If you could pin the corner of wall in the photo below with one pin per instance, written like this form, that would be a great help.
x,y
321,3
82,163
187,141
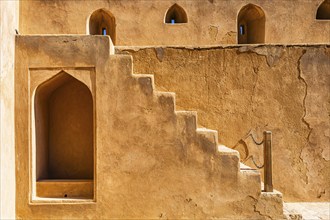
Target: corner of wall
x,y
9,13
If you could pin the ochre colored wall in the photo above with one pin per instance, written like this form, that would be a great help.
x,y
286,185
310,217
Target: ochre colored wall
x,y
8,24
210,22
150,161
284,89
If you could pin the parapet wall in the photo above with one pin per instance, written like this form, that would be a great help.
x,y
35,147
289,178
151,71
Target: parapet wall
x,y
209,22
235,90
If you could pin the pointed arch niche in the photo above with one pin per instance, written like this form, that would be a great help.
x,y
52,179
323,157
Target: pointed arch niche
x,y
102,22
64,138
323,11
251,25
176,15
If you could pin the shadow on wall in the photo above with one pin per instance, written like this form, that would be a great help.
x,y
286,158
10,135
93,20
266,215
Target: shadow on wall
x,y
323,11
251,25
64,129
102,22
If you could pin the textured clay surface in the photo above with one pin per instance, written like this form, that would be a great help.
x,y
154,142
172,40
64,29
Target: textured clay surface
x,y
241,90
150,161
141,22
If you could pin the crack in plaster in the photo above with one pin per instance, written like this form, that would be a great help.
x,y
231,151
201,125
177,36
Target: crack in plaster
x,y
256,210
122,49
229,37
304,114
208,87
255,71
272,54
303,80
305,95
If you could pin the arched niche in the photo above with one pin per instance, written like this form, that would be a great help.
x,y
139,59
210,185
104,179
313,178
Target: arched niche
x,y
323,11
251,25
176,14
63,116
102,22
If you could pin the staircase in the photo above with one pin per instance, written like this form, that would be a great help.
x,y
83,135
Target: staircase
x,y
150,161
242,183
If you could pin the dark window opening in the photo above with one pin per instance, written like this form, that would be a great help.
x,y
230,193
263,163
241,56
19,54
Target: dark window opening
x,y
175,15
104,31
323,11
241,30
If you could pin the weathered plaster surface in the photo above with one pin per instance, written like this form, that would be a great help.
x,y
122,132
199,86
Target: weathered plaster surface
x,y
8,24
141,22
314,69
240,90
151,161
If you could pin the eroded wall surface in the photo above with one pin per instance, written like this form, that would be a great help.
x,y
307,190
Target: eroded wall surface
x,y
237,90
150,161
8,24
210,22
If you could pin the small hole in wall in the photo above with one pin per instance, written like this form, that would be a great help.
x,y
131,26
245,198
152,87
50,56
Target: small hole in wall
x,y
104,31
65,195
241,30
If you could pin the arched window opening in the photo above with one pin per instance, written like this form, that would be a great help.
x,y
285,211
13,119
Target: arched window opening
x,y
176,14
323,11
103,22
64,137
251,25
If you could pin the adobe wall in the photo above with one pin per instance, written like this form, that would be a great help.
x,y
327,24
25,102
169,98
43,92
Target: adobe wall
x,y
150,162
284,89
210,22
8,24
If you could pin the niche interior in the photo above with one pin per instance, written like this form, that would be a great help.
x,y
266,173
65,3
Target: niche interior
x,y
64,138
251,25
